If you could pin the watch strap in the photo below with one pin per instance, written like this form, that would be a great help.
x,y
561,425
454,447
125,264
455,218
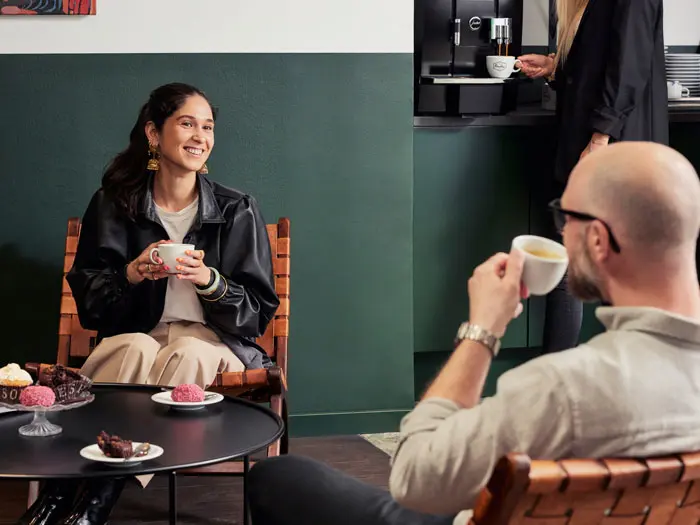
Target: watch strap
x,y
478,334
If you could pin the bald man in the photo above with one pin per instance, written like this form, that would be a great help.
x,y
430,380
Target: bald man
x,y
630,218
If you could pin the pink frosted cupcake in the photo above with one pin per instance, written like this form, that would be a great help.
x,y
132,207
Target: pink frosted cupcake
x,y
187,393
41,396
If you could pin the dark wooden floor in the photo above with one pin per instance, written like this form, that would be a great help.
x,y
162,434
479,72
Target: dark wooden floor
x,y
204,500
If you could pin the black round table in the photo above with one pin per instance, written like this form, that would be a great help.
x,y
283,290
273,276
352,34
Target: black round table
x,y
231,429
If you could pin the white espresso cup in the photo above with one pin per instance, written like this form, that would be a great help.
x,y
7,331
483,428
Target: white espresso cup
x,y
501,66
169,253
546,262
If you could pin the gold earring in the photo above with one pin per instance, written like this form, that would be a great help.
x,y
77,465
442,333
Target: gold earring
x,y
153,161
204,170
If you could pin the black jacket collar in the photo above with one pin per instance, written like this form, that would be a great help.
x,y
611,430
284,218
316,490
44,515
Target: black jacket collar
x,y
209,211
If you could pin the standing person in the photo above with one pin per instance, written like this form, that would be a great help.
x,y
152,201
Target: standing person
x,y
610,81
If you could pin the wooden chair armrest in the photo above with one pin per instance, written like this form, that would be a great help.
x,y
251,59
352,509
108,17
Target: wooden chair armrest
x,y
271,378
32,368
509,481
225,382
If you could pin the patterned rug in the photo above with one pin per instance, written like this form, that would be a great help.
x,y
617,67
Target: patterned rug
x,y
386,442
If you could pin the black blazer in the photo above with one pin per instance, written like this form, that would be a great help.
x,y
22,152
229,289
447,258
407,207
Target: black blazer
x,y
229,228
614,79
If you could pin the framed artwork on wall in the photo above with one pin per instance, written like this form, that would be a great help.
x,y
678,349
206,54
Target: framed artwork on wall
x,y
47,7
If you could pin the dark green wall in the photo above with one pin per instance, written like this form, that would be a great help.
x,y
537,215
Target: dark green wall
x,y
323,139
475,189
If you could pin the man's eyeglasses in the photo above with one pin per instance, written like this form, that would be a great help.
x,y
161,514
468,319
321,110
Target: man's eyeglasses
x,y
560,215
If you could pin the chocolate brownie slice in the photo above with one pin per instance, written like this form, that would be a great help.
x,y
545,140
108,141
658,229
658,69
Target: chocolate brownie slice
x,y
114,446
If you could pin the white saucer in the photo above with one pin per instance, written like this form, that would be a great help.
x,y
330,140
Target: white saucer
x,y
93,453
164,399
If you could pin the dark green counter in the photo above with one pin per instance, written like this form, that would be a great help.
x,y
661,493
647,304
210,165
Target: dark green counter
x,y
534,115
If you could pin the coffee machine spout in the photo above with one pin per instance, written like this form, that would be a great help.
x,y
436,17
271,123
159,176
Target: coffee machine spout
x,y
502,30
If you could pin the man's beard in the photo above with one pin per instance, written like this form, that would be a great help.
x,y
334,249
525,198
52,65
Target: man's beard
x,y
582,279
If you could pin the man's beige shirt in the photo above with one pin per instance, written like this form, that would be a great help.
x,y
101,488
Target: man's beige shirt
x,y
633,390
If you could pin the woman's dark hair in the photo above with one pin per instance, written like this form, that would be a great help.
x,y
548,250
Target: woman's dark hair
x,y
126,178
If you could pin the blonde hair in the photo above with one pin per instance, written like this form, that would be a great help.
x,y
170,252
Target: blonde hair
x,y
569,14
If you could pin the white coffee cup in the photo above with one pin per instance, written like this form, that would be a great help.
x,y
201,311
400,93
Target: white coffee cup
x,y
501,67
169,253
676,90
541,273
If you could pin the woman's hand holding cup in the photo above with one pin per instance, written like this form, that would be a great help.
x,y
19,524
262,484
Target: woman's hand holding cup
x,y
536,66
143,268
192,268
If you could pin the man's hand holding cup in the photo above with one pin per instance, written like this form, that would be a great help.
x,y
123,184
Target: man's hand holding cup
x,y
495,292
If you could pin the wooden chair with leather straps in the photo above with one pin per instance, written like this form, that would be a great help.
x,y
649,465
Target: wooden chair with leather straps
x,y
264,385
653,491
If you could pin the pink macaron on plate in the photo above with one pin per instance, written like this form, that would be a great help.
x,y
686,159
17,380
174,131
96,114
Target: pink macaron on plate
x,y
164,398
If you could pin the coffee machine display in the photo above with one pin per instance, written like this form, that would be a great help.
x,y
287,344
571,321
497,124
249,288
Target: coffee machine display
x,y
465,56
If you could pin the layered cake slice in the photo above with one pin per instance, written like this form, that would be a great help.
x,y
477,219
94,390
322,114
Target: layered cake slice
x,y
116,447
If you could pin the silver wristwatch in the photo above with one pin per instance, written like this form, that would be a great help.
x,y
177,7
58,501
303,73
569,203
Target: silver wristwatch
x,y
480,335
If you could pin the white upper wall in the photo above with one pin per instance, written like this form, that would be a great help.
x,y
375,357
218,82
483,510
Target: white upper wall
x,y
681,22
265,26
218,26
535,22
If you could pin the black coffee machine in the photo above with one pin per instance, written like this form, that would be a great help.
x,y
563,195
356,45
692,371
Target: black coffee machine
x,y
452,40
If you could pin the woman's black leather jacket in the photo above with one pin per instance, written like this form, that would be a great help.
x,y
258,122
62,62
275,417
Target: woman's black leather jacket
x,y
229,228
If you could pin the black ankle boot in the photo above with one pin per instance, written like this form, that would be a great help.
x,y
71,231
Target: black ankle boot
x,y
54,503
96,502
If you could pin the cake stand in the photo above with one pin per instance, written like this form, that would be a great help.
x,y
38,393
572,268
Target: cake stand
x,y
40,426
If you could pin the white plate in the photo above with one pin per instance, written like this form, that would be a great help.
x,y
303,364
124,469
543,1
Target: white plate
x,y
164,399
93,453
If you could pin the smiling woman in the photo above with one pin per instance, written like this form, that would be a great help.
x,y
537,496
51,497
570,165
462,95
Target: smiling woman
x,y
162,323
185,320
47,7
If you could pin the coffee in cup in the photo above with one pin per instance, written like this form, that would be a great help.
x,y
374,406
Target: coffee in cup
x,y
169,253
502,66
546,262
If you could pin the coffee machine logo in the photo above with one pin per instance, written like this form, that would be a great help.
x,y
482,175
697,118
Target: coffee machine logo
x,y
475,23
